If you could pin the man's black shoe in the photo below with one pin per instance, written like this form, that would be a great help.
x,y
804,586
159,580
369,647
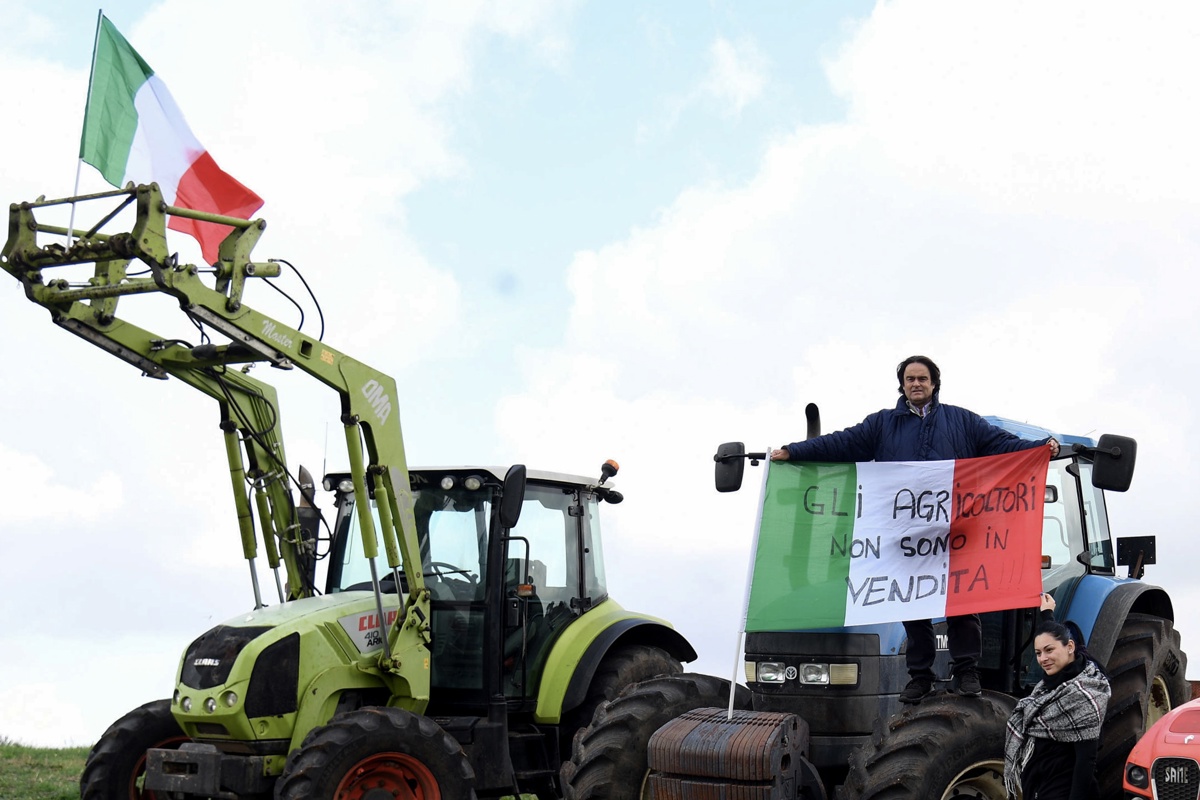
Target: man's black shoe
x,y
968,683
917,689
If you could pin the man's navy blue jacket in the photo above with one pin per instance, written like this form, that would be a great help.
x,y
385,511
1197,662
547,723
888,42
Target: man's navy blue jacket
x,y
897,434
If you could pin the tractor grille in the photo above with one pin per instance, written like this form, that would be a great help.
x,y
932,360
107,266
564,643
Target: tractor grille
x,y
1176,779
209,659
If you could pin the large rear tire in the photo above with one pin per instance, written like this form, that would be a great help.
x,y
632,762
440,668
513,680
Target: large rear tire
x,y
116,764
609,759
621,667
946,747
1147,671
377,752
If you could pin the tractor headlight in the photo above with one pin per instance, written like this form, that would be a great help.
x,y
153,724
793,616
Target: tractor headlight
x,y
210,705
814,674
447,483
771,672
186,705
472,483
1137,776
229,699
811,674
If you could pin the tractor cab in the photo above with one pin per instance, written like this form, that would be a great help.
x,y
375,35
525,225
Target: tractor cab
x,y
1076,539
508,563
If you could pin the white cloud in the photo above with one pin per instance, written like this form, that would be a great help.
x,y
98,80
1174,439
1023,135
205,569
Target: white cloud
x,y
37,713
542,25
42,707
737,73
1011,195
43,497
28,26
1083,108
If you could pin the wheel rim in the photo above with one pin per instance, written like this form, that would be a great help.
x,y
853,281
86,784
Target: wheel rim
x,y
137,776
1160,702
387,776
983,780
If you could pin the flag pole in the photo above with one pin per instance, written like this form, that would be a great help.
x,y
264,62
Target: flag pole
x,y
741,635
83,133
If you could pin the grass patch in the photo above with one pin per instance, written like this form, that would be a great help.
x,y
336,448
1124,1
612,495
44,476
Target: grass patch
x,y
35,773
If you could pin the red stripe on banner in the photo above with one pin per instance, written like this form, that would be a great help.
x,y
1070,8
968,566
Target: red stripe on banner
x,y
206,187
996,532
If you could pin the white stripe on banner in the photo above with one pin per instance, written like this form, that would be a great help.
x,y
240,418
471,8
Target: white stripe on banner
x,y
900,550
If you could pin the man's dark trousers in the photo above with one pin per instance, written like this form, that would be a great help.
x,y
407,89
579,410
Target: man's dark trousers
x,y
966,644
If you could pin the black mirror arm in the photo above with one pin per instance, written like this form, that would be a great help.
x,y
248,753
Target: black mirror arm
x,y
1114,451
754,458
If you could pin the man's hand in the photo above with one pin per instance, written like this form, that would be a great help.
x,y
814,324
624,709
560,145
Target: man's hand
x,y
1053,448
780,455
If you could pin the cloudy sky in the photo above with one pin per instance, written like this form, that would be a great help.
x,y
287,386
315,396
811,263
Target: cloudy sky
x,y
577,231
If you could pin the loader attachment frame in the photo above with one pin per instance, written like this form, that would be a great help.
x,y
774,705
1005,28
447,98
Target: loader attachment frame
x,y
248,406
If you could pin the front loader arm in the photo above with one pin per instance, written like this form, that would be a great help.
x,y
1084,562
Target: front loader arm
x,y
249,409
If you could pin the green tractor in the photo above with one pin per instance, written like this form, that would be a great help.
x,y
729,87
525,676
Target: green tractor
x,y
459,664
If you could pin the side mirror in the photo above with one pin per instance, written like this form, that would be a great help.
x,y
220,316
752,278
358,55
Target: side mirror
x,y
1136,552
513,498
309,517
1115,457
731,465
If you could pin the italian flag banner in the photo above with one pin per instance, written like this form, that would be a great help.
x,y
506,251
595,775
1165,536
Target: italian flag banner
x,y
133,131
855,544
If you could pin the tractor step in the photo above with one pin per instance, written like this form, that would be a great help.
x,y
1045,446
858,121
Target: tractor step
x,y
706,754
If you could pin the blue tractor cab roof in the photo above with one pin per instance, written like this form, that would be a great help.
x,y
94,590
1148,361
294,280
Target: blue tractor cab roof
x,y
1034,432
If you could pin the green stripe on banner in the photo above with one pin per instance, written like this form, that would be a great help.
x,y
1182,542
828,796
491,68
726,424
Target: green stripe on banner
x,y
804,547
859,544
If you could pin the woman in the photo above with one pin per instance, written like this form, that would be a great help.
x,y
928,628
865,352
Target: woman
x,y
1051,739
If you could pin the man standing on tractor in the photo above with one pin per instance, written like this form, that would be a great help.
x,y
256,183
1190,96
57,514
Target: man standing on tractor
x,y
921,428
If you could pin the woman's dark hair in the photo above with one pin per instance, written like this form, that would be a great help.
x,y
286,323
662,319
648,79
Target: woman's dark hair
x,y
935,374
1068,632
1059,631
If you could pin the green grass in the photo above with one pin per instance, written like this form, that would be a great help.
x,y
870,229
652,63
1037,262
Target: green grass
x,y
35,773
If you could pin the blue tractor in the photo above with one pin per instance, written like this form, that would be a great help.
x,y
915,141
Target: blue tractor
x,y
825,702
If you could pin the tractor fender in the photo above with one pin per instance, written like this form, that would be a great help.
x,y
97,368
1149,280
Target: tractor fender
x,y
1100,605
577,653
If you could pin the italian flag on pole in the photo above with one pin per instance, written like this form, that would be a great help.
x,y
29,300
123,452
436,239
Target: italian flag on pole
x,y
854,544
133,131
